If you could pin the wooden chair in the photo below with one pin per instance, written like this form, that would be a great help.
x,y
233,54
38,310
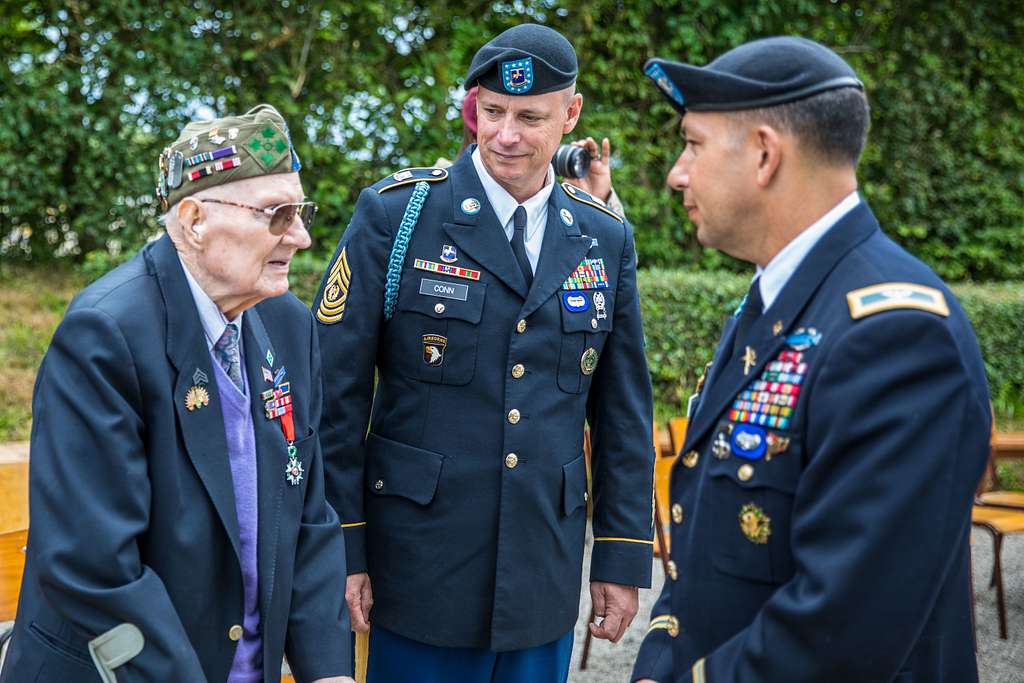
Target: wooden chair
x,y
1000,522
13,537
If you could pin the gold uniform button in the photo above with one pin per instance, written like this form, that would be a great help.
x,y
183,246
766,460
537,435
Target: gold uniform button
x,y
521,326
235,632
677,513
673,627
745,472
518,370
379,485
513,416
439,309
673,570
511,460
690,459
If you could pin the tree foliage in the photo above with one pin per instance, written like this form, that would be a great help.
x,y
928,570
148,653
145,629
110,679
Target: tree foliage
x,y
92,91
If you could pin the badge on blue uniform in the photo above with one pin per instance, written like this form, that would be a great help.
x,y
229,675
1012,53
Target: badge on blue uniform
x,y
470,206
749,441
517,75
575,302
803,339
449,254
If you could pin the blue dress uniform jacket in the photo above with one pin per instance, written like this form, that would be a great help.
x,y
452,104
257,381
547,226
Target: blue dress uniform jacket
x,y
836,547
466,500
132,508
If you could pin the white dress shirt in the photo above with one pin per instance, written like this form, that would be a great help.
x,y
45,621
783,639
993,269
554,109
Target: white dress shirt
x,y
210,315
505,205
776,274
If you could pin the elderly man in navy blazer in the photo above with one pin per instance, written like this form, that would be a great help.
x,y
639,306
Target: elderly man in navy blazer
x,y
821,505
179,529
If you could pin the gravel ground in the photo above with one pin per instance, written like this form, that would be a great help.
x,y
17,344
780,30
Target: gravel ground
x,y
999,661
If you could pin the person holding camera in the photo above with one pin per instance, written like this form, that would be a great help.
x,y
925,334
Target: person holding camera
x,y
472,321
591,171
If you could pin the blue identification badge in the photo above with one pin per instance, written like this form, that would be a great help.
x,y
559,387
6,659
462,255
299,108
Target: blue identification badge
x,y
749,441
575,302
803,339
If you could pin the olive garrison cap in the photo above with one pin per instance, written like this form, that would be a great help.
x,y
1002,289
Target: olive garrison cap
x,y
761,73
528,59
211,153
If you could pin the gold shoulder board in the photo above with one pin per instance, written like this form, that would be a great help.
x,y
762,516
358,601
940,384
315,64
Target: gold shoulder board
x,y
584,198
413,175
892,295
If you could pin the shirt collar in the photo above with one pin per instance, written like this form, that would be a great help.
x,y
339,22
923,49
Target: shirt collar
x,y
210,315
505,204
776,274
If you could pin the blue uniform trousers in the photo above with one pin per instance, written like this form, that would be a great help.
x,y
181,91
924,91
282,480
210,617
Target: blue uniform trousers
x,y
395,659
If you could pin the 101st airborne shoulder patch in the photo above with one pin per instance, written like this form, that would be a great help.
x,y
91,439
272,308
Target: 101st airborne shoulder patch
x,y
894,295
332,305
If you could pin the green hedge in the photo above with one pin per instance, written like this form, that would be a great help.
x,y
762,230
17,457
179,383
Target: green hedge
x,y
684,312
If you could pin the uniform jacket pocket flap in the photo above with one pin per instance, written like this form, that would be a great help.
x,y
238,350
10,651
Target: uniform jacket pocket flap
x,y
781,473
574,485
395,469
442,297
587,310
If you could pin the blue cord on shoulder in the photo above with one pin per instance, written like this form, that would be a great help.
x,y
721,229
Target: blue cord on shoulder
x,y
394,276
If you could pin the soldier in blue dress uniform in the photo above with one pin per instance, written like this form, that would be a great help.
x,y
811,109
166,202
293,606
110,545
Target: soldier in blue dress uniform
x,y
821,503
498,312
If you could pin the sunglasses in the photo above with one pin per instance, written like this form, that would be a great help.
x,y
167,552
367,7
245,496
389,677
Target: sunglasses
x,y
281,215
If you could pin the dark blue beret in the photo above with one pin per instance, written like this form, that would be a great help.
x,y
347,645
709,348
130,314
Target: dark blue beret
x,y
761,73
528,59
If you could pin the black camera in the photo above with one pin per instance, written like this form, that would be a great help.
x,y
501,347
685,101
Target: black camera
x,y
571,161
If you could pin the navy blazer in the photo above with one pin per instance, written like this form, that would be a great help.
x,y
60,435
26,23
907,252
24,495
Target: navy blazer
x,y
131,503
832,546
466,500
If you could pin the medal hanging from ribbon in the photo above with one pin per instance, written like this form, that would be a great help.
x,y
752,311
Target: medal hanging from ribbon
x,y
277,402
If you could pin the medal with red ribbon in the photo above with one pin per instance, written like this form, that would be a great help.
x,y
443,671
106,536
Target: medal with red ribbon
x,y
277,402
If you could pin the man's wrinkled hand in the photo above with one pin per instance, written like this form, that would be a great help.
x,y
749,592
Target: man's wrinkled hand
x,y
615,606
359,597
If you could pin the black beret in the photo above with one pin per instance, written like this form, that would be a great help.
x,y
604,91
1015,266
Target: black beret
x,y
528,59
761,73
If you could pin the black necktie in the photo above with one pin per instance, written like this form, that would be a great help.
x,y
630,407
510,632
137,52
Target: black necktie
x,y
519,244
749,314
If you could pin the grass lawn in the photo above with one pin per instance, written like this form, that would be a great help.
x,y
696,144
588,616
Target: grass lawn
x,y
32,302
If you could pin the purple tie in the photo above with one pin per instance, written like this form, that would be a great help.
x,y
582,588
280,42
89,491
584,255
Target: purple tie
x,y
226,349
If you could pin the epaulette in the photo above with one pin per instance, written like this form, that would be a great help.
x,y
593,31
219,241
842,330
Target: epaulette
x,y
413,175
584,198
892,295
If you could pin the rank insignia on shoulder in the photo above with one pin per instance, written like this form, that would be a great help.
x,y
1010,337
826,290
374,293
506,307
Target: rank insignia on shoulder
x,y
335,297
755,524
412,175
895,295
584,198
